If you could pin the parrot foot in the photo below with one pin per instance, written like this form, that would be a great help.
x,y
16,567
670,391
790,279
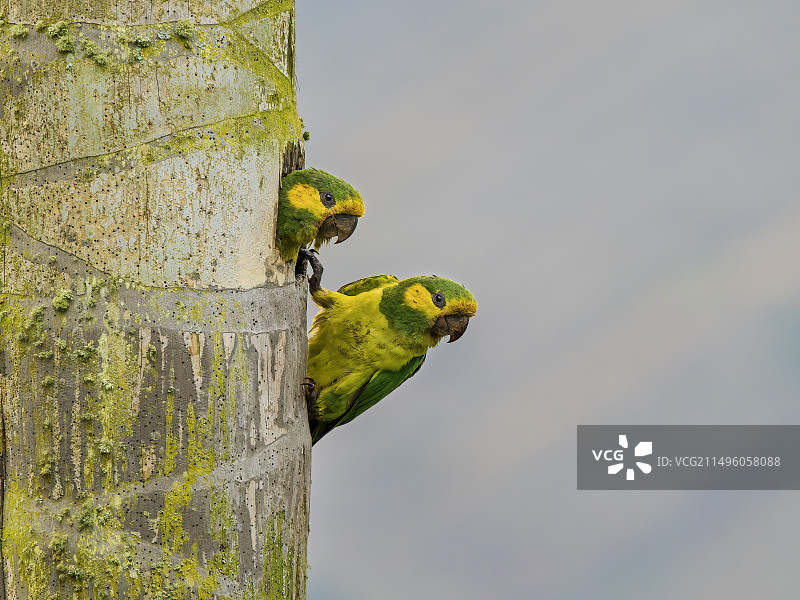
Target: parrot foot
x,y
309,255
302,261
309,389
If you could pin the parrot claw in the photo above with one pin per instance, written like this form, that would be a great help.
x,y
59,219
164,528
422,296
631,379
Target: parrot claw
x,y
308,255
301,261
309,389
315,281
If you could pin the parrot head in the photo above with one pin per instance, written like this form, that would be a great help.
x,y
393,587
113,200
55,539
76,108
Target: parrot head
x,y
425,309
314,206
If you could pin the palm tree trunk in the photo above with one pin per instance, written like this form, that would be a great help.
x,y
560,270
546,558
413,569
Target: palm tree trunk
x,y
155,442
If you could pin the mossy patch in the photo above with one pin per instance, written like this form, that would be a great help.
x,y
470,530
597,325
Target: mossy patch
x,y
18,31
62,35
58,543
279,566
62,300
86,352
52,547
93,51
58,29
65,43
184,29
28,329
143,41
136,55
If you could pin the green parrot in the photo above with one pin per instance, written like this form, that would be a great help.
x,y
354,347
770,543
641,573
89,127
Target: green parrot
x,y
372,335
314,206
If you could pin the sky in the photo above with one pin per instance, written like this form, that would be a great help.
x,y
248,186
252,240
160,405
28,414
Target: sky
x,y
617,183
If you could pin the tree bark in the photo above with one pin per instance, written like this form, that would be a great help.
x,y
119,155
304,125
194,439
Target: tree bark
x,y
155,441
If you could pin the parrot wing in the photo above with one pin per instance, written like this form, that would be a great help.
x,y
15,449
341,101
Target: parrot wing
x,y
367,284
378,387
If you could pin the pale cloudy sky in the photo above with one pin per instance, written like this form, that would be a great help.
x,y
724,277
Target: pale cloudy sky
x,y
617,183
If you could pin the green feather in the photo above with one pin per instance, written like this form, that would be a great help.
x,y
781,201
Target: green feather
x,y
380,386
367,284
320,180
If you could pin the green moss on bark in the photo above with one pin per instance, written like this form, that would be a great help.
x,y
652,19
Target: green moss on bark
x,y
75,364
62,300
18,31
184,29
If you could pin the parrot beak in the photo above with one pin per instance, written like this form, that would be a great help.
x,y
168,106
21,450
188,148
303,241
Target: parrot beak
x,y
345,226
341,226
455,325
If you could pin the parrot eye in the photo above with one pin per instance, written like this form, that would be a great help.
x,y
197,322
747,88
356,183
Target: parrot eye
x,y
438,299
327,199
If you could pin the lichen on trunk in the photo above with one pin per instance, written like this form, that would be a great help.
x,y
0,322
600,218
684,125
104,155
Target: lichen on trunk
x,y
155,443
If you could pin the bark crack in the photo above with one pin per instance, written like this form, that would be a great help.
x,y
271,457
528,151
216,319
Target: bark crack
x,y
155,140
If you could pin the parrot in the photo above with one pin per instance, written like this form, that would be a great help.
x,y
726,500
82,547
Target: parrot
x,y
370,336
314,206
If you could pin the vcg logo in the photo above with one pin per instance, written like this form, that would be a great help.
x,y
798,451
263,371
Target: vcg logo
x,y
617,457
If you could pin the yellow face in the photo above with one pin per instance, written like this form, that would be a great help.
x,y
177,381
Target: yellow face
x,y
419,298
306,197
